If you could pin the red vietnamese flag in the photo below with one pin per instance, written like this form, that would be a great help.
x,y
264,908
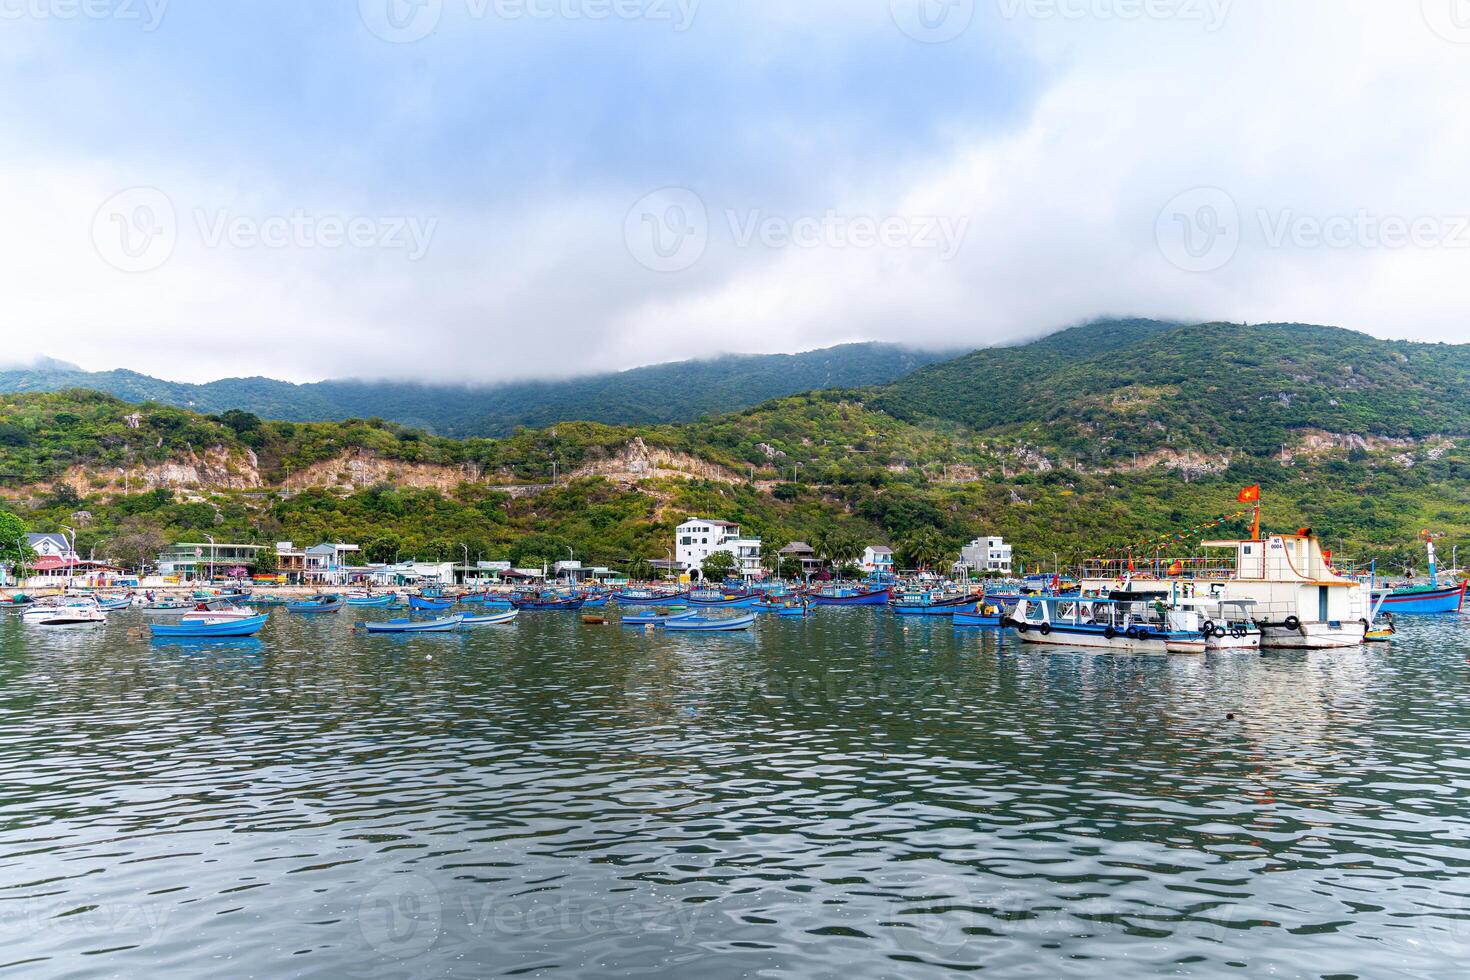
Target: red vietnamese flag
x,y
1251,495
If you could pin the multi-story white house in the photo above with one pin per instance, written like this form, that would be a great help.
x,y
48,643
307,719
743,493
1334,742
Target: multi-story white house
x,y
987,555
52,546
698,538
878,560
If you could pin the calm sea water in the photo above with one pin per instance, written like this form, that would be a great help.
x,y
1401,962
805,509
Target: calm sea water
x,y
844,796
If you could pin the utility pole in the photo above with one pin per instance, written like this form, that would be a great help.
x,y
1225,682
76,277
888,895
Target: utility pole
x,y
211,556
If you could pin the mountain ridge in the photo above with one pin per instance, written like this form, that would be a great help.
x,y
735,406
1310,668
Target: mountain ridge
x,y
673,392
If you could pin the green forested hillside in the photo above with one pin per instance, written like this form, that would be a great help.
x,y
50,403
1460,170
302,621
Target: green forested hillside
x,y
1214,387
1033,442
677,392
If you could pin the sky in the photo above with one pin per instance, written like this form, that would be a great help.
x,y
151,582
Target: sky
x,y
484,190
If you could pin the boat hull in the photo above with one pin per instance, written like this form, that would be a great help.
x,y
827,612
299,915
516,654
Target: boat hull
x,y
495,619
1097,638
978,621
409,626
1314,636
420,604
1433,602
698,624
211,630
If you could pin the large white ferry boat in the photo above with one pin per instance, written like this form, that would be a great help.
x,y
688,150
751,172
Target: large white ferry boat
x,y
1297,598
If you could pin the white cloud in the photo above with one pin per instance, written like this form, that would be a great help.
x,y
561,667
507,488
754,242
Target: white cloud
x,y
1306,111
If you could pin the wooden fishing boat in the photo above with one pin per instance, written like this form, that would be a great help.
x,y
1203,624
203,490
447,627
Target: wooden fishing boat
x,y
704,624
495,619
655,618
1126,622
709,599
373,601
930,602
114,604
650,597
798,611
847,596
1422,600
209,630
549,604
447,625
420,603
317,605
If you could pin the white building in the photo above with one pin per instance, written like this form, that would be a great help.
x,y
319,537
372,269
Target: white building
x,y
878,560
698,538
987,555
52,546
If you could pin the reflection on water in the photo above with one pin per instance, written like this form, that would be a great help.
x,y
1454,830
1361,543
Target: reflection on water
x,y
847,794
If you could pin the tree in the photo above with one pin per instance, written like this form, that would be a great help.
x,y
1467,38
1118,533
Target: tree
x,y
924,549
717,566
640,569
15,552
383,549
136,544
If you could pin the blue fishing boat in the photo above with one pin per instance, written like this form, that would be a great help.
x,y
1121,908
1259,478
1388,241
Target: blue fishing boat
x,y
115,605
317,605
448,625
549,603
422,604
842,595
474,598
1422,600
498,602
271,601
711,599
209,629
989,613
793,612
655,618
596,602
704,624
373,601
495,619
650,597
932,603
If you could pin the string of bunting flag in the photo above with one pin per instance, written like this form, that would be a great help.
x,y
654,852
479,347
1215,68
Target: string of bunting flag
x,y
1153,544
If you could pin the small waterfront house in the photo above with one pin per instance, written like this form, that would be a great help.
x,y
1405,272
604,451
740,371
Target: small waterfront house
x,y
988,554
878,560
698,538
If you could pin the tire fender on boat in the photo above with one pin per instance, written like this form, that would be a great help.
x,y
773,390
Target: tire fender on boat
x,y
1293,624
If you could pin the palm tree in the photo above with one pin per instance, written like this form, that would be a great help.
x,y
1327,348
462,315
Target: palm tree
x,y
924,548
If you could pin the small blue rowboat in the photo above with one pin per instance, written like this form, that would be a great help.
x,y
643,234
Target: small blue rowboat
x,y
655,618
702,624
415,625
473,598
114,605
600,602
373,601
210,629
317,605
978,621
421,604
496,619
792,612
